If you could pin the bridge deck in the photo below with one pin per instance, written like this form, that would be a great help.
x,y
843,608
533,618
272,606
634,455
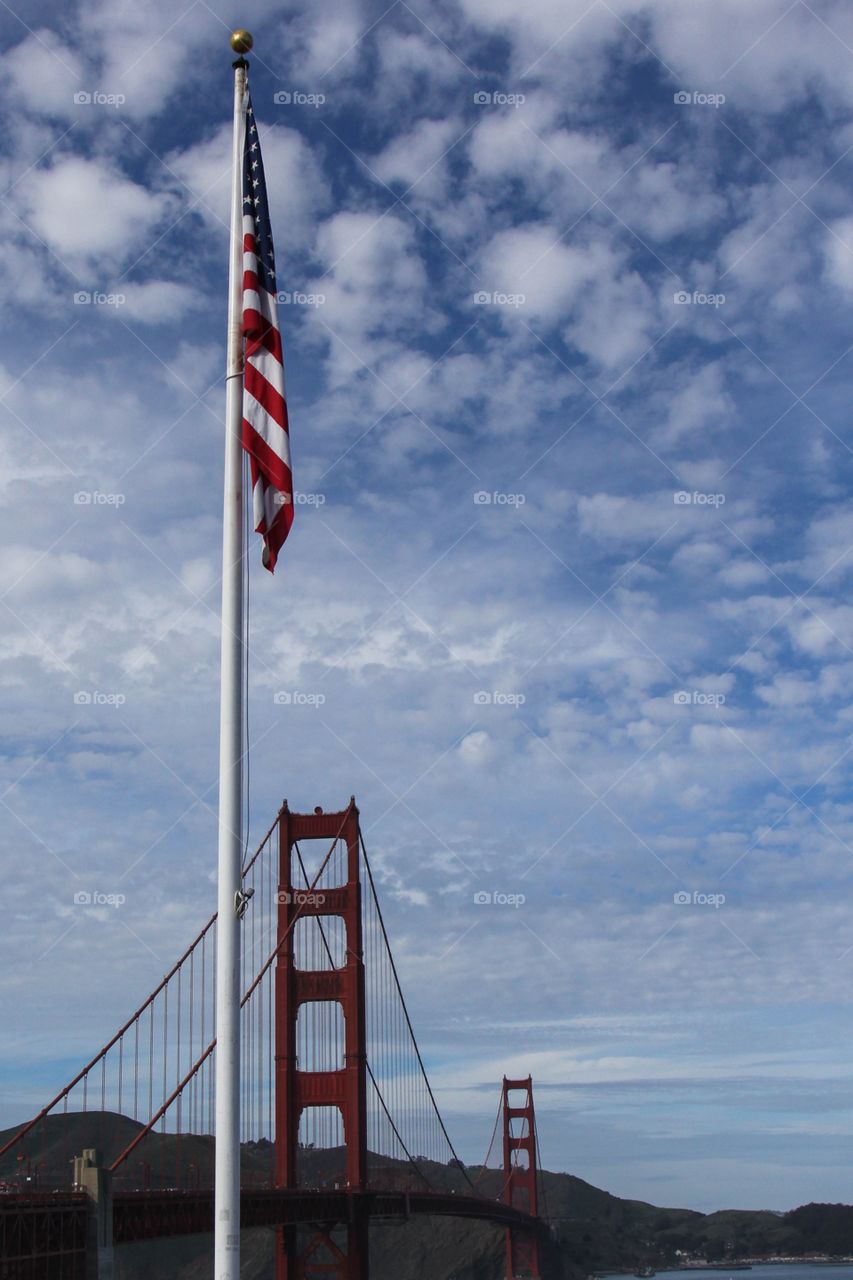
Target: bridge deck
x,y
43,1234
145,1215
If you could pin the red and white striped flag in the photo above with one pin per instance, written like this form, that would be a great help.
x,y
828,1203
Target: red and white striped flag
x,y
266,436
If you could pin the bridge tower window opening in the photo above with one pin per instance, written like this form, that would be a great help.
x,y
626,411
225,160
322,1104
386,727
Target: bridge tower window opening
x,y
319,945
320,1036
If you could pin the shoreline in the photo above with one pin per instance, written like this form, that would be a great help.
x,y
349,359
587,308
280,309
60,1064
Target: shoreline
x,y
734,1265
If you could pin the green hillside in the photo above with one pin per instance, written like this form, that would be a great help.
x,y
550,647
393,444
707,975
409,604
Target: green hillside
x,y
589,1230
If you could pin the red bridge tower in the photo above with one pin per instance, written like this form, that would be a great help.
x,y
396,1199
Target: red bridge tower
x,y
519,1129
345,1088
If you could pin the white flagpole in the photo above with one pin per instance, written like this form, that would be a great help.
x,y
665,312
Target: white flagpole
x,y
227,1193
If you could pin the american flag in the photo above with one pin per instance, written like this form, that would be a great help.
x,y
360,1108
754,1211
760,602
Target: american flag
x,y
265,427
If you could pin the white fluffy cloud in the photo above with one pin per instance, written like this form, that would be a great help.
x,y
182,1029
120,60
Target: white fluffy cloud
x,y
297,190
414,158
45,73
89,214
697,400
839,253
604,307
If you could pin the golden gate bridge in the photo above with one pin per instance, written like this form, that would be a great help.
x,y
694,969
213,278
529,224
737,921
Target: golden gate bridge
x,y
339,1122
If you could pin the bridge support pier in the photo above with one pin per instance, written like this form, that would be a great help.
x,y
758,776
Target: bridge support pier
x,y
344,1088
520,1185
321,1255
91,1176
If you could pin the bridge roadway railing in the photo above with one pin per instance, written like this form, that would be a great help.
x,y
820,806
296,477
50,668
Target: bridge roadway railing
x,y
43,1234
147,1215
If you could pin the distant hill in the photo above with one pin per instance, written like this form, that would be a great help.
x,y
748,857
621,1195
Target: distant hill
x,y
824,1227
590,1230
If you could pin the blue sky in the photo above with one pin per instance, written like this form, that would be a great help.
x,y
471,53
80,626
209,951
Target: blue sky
x,y
570,571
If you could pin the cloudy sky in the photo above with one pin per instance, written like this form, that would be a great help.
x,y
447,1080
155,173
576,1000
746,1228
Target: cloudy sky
x,y
565,604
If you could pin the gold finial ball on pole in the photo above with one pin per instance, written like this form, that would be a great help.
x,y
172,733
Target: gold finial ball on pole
x,y
241,41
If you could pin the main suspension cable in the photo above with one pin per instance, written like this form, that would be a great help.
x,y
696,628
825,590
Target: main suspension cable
x,y
327,949
459,1163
